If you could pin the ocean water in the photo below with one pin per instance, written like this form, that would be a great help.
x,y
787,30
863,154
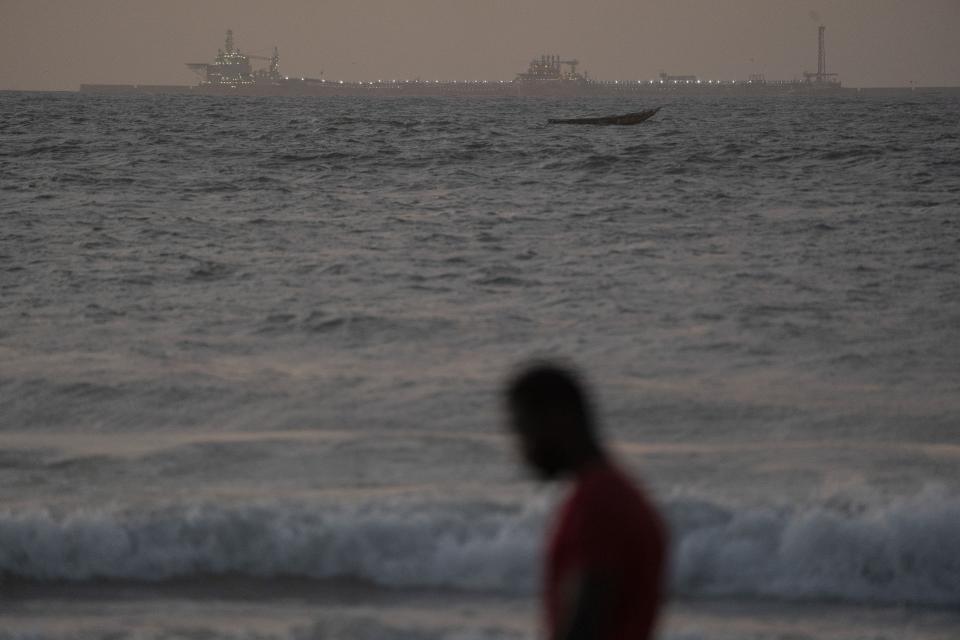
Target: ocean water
x,y
251,353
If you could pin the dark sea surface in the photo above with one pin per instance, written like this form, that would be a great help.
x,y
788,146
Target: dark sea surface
x,y
251,352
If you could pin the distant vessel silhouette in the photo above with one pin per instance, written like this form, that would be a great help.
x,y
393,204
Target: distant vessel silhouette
x,y
232,73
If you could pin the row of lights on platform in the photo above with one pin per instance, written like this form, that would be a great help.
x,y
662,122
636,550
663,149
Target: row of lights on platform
x,y
504,81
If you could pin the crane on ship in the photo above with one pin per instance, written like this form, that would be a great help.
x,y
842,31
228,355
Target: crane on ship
x,y
572,64
273,71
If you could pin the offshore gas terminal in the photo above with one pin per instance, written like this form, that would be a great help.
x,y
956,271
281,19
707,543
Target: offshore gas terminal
x,y
233,73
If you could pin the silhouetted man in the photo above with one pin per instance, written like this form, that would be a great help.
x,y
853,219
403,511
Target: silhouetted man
x,y
606,554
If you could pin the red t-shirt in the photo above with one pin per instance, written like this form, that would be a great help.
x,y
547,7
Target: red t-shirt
x,y
607,527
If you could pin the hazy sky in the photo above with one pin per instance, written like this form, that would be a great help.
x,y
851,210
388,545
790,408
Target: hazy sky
x,y
58,44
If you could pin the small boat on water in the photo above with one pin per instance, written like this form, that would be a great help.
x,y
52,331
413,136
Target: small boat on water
x,y
623,119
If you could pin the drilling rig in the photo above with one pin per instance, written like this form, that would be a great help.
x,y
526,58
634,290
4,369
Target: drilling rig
x,y
232,69
551,68
821,76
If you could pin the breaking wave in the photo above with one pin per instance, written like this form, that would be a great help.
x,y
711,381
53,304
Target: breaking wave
x,y
478,546
906,552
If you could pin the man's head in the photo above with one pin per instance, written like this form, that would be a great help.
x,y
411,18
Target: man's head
x,y
551,416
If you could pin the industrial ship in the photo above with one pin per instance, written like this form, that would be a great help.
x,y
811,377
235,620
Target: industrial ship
x,y
232,73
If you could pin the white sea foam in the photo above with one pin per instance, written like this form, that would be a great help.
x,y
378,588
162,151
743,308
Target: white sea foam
x,y
472,547
331,628
907,551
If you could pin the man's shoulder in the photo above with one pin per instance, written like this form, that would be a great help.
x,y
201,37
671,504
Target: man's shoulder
x,y
607,490
611,521
609,480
